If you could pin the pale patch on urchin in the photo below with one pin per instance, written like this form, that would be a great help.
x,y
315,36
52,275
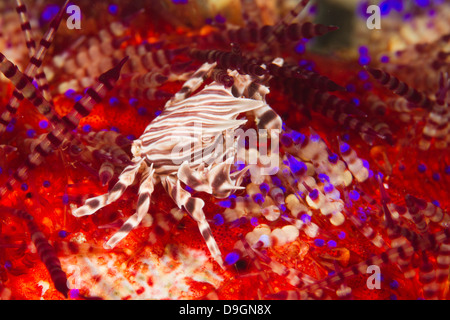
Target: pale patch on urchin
x,y
151,277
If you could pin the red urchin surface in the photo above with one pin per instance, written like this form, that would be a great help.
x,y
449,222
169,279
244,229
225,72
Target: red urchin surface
x,y
383,119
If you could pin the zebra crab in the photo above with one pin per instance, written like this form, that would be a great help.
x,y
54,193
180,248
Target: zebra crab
x,y
215,110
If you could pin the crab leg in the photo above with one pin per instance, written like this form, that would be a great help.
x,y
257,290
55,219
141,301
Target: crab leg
x,y
194,207
126,178
145,191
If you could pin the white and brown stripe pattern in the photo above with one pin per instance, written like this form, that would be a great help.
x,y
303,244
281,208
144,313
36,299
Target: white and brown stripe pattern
x,y
437,124
45,250
401,88
367,231
416,214
427,276
107,137
106,172
194,206
443,265
29,73
145,190
197,125
62,128
390,256
31,45
24,89
26,26
283,22
214,110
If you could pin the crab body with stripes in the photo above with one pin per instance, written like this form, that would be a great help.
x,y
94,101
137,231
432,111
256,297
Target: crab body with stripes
x,y
214,110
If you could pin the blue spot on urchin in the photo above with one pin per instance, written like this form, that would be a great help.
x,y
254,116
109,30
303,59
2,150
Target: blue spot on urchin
x,y
385,7
436,176
333,158
86,128
323,177
363,75
232,258
314,138
50,12
225,203
220,18
364,60
328,188
10,127
384,59
239,165
356,101
447,169
397,5
74,293
65,199
354,195
344,147
362,216
394,284
218,219
133,102
276,181
305,218
298,137
113,9
31,133
264,187
407,16
300,48
113,101
314,194
258,198
346,137
70,93
436,203
131,137
331,244
422,3
350,87
363,50
362,9
319,242
366,163
142,111
297,166
421,168
367,86
286,140
63,233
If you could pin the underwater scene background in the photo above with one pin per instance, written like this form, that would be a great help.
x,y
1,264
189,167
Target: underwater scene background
x,y
356,101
